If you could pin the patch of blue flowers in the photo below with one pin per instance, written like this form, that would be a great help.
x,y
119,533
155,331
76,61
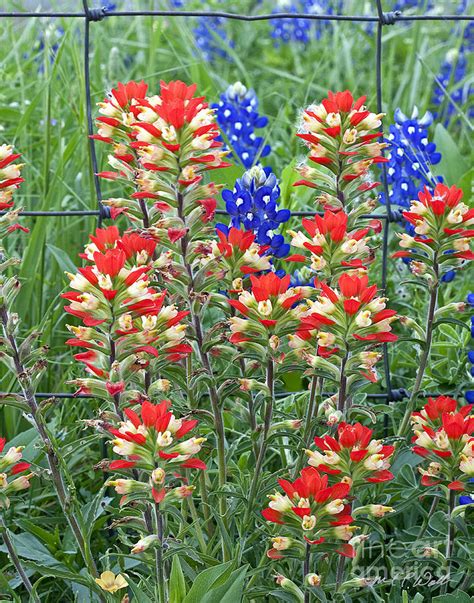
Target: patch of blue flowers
x,y
206,35
404,5
238,117
410,157
302,30
253,205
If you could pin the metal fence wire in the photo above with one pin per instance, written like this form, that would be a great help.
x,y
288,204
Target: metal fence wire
x,y
382,19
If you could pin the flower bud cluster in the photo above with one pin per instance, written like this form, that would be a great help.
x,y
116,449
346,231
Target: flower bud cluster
x,y
443,436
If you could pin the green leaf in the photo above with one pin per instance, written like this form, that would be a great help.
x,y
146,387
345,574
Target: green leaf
x,y
453,164
231,591
465,183
207,581
61,571
64,261
138,592
93,510
177,583
458,596
453,321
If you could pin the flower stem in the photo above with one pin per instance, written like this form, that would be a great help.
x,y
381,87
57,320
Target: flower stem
x,y
426,521
197,524
343,384
16,561
449,539
251,408
306,570
316,383
216,410
52,455
340,571
159,566
425,355
263,447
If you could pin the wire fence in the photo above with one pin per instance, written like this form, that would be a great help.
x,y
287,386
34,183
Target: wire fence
x,y
382,19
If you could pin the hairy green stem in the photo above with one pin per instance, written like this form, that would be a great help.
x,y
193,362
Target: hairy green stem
x,y
449,539
197,524
425,355
340,571
341,403
16,562
316,383
306,562
426,521
270,378
159,565
213,396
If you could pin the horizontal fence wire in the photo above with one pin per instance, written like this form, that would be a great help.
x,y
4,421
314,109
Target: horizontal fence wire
x,y
382,19
98,14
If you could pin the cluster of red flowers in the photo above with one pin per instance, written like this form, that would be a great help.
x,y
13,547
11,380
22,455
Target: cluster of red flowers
x,y
443,227
353,456
150,440
160,142
10,180
123,316
267,309
332,246
12,473
340,133
311,508
444,436
337,321
237,254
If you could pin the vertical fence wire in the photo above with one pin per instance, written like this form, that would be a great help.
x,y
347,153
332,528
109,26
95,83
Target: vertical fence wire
x,y
382,19
91,15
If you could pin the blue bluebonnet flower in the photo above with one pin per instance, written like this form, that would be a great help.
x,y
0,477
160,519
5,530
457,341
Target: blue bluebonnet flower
x,y
410,157
298,29
467,499
206,35
49,40
253,205
302,278
404,5
238,117
451,76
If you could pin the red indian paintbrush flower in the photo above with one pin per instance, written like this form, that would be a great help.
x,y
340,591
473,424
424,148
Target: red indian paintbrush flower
x,y
122,314
443,227
267,308
331,245
10,177
161,141
12,473
10,180
444,436
337,322
151,440
341,136
235,255
312,510
353,455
